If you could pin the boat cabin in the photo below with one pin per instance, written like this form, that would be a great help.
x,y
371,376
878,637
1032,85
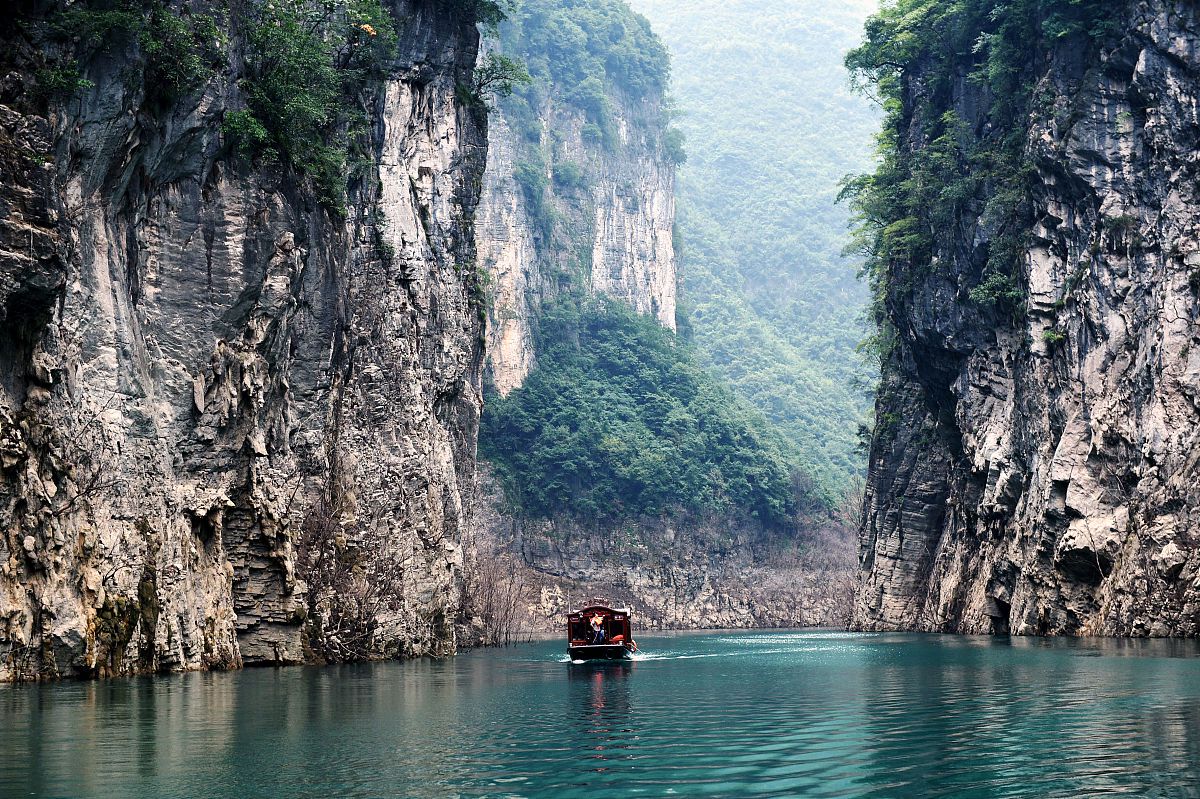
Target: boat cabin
x,y
598,632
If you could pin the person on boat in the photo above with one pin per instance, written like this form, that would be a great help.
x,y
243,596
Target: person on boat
x,y
597,629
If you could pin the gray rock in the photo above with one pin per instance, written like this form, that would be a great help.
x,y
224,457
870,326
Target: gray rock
x,y
203,370
1044,489
615,231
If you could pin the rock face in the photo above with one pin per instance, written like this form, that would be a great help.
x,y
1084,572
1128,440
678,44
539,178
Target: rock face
x,y
605,218
570,208
681,572
208,382
1043,476
579,213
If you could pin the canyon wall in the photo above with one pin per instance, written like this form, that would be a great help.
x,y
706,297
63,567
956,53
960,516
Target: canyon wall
x,y
1037,470
576,211
676,572
236,426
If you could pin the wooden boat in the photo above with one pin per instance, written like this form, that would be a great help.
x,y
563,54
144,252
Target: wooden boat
x,y
598,632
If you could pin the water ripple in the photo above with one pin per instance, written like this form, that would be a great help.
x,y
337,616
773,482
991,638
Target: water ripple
x,y
797,713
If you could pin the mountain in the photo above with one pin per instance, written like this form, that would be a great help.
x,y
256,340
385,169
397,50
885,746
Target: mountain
x,y
616,463
579,193
240,331
771,127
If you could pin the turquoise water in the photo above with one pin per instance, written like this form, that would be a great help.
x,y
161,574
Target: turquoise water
x,y
720,714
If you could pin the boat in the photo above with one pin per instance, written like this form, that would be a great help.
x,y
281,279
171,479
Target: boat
x,y
615,638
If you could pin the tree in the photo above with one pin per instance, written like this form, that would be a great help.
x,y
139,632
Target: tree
x,y
498,76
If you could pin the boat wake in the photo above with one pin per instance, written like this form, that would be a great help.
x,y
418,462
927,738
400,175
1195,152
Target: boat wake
x,y
752,644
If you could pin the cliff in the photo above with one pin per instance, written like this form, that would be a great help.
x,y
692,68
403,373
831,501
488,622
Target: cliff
x,y
679,571
238,412
564,207
1034,467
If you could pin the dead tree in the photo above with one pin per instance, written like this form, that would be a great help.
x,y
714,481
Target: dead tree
x,y
354,586
497,593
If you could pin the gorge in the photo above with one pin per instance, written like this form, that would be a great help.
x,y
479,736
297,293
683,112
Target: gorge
x,y
245,332
641,477
578,398
273,274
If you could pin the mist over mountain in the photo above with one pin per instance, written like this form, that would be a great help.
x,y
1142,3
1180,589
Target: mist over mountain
x,y
772,127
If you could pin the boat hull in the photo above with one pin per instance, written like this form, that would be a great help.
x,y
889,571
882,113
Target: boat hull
x,y
599,652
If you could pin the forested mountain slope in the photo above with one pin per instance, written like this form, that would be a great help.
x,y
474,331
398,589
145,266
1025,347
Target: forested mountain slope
x,y
579,194
772,127
619,460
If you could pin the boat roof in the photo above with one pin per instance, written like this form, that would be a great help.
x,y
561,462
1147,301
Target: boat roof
x,y
625,610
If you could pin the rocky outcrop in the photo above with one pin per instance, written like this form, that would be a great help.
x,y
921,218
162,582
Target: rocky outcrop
x,y
597,214
679,572
1043,476
212,388
687,574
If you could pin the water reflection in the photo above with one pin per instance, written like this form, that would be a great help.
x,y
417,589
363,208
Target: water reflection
x,y
1062,719
771,714
94,735
601,691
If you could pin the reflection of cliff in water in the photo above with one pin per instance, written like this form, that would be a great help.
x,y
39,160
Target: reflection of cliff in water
x,y
600,693
726,714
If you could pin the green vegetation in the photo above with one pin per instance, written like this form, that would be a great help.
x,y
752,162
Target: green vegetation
x,y
531,177
673,146
497,76
97,25
998,289
582,50
306,65
621,418
618,419
179,53
772,127
488,13
60,82
576,44
586,55
249,135
569,175
917,193
1053,337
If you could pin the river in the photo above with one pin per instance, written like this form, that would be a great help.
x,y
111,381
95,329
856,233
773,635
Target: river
x,y
790,713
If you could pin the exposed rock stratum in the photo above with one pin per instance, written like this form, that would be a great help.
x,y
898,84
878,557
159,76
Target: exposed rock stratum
x,y
1043,476
206,377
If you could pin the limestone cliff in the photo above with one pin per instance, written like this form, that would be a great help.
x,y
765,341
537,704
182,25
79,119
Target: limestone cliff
x,y
235,425
1037,469
576,210
683,571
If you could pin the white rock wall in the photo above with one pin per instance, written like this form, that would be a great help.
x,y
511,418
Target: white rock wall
x,y
617,231
207,372
1043,476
